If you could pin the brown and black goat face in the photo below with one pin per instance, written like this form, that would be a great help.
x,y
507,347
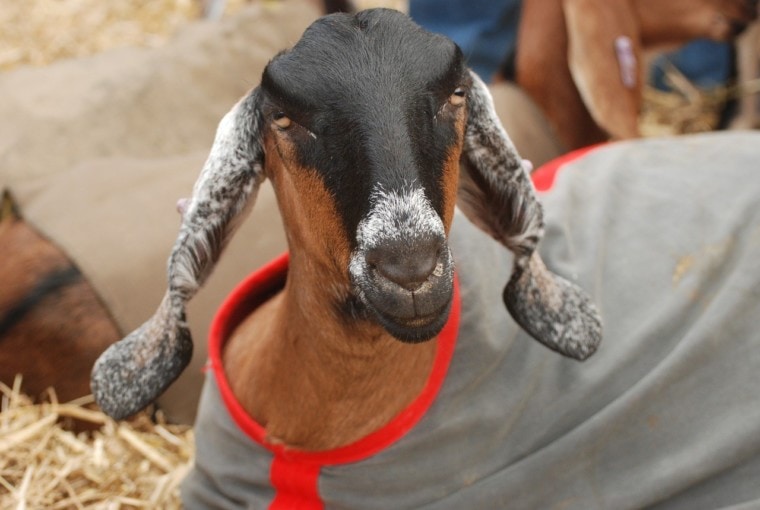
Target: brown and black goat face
x,y
362,128
367,144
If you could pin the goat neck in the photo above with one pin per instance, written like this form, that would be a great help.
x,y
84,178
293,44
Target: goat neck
x,y
313,379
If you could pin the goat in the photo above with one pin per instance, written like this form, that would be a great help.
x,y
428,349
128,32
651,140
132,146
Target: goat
x,y
361,128
582,61
53,325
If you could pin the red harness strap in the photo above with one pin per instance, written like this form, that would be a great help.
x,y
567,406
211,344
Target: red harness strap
x,y
543,177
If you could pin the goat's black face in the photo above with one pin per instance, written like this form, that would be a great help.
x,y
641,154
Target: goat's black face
x,y
372,106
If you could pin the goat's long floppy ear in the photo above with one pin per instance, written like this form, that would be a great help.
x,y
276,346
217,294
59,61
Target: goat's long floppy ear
x,y
133,372
496,194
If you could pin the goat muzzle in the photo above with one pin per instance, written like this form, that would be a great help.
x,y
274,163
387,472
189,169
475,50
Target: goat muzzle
x,y
406,286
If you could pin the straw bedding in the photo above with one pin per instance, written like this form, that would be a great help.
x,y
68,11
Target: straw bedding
x,y
688,108
44,463
38,32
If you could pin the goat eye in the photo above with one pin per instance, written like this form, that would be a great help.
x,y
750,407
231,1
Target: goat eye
x,y
458,97
281,120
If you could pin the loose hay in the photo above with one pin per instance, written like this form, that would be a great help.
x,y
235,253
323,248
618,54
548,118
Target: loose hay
x,y
687,108
43,464
38,32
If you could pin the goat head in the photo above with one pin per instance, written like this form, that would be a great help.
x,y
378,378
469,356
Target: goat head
x,y
361,126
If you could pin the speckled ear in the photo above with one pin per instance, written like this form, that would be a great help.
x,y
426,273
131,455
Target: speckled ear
x,y
133,372
496,194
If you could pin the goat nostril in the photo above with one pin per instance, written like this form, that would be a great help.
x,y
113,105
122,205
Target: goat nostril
x,y
407,267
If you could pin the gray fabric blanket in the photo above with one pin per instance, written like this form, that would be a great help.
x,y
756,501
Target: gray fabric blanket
x,y
665,235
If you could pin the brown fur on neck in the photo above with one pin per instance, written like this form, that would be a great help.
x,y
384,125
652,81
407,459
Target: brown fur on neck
x,y
319,382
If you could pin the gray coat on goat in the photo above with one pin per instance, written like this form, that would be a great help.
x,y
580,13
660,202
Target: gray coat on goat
x,y
664,416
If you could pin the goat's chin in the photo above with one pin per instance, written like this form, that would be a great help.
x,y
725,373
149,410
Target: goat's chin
x,y
410,316
416,330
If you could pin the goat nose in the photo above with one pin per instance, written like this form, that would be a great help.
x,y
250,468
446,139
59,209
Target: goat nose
x,y
407,265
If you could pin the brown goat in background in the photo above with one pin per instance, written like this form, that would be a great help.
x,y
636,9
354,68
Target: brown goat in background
x,y
590,91
52,324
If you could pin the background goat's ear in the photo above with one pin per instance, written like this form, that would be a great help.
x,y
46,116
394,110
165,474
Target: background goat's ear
x,y
133,372
497,195
608,81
